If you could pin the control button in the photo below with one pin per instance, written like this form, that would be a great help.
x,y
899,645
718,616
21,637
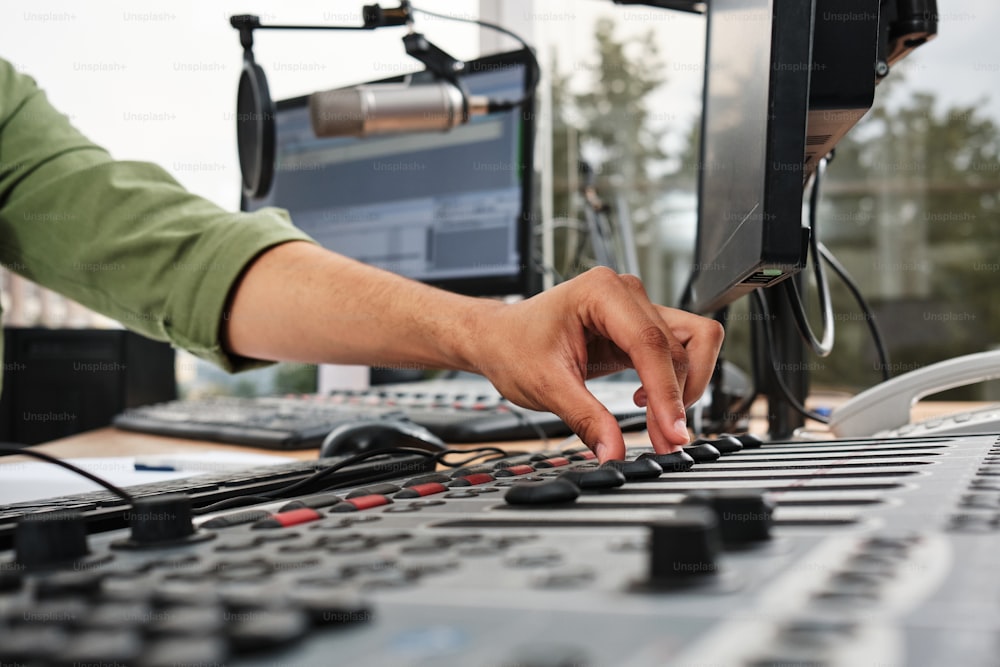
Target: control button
x,y
31,644
50,538
341,607
235,519
513,471
585,455
174,651
438,477
683,550
361,503
749,440
262,629
601,478
640,468
817,632
703,452
550,492
530,559
118,615
161,520
101,647
67,612
726,444
465,493
573,577
554,462
472,480
11,580
286,519
744,515
679,461
316,501
376,489
69,583
188,621
547,454
472,470
420,490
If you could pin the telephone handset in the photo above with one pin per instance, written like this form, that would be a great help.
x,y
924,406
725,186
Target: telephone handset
x,y
885,408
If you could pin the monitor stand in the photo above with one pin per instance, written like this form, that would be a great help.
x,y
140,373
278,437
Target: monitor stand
x,y
792,363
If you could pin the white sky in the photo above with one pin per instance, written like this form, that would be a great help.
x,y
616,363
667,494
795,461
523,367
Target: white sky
x,y
156,80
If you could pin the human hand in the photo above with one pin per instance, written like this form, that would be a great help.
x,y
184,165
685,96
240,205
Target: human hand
x,y
539,352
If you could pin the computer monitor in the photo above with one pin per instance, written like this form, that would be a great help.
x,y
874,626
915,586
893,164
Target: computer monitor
x,y
452,209
784,81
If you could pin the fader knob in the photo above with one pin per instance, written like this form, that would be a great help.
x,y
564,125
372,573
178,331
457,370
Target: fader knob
x,y
50,538
683,549
744,515
161,520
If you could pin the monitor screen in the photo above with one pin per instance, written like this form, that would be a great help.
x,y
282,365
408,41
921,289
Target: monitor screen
x,y
452,209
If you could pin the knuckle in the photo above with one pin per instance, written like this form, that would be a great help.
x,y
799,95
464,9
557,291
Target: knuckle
x,y
715,332
652,336
632,283
600,274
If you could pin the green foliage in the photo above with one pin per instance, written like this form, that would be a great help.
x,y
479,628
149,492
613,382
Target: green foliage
x,y
612,122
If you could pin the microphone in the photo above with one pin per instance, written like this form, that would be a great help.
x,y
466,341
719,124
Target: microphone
x,y
362,111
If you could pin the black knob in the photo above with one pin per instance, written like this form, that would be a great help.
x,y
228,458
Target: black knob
x,y
748,440
50,538
161,520
744,515
726,444
683,550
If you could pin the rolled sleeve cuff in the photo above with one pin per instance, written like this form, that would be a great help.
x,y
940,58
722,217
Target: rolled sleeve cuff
x,y
204,283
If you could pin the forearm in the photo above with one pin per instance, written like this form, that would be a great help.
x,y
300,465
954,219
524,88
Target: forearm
x,y
299,302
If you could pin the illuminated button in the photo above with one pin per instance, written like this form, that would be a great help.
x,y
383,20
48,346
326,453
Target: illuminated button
x,y
473,480
286,519
421,490
554,462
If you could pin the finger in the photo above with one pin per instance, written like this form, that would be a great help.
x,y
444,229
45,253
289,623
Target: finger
x,y
702,338
589,419
680,361
612,310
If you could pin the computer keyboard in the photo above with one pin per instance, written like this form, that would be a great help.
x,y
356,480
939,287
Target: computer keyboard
x,y
454,410
841,553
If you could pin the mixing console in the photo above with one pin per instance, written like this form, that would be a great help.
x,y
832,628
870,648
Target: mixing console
x,y
852,552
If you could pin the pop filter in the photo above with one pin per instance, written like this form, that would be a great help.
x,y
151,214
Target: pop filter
x,y
255,129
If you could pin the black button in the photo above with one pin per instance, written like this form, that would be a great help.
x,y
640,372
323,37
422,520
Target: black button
x,y
260,629
119,615
726,444
31,644
315,501
601,478
69,583
175,651
641,468
703,453
383,489
679,461
550,492
332,608
530,559
187,621
104,647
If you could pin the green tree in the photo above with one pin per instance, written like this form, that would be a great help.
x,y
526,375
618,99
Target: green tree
x,y
610,122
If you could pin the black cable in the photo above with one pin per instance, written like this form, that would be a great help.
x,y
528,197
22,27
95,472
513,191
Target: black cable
x,y
477,452
773,355
838,268
286,491
822,347
48,458
534,69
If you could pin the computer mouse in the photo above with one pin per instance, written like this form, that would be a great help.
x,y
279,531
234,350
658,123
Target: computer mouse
x,y
365,435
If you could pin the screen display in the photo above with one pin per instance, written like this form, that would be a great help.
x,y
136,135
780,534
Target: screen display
x,y
448,208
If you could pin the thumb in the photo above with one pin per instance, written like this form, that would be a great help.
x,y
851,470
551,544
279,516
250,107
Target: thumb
x,y
590,420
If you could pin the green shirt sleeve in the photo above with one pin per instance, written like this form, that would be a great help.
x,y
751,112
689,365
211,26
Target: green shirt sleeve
x,y
122,238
